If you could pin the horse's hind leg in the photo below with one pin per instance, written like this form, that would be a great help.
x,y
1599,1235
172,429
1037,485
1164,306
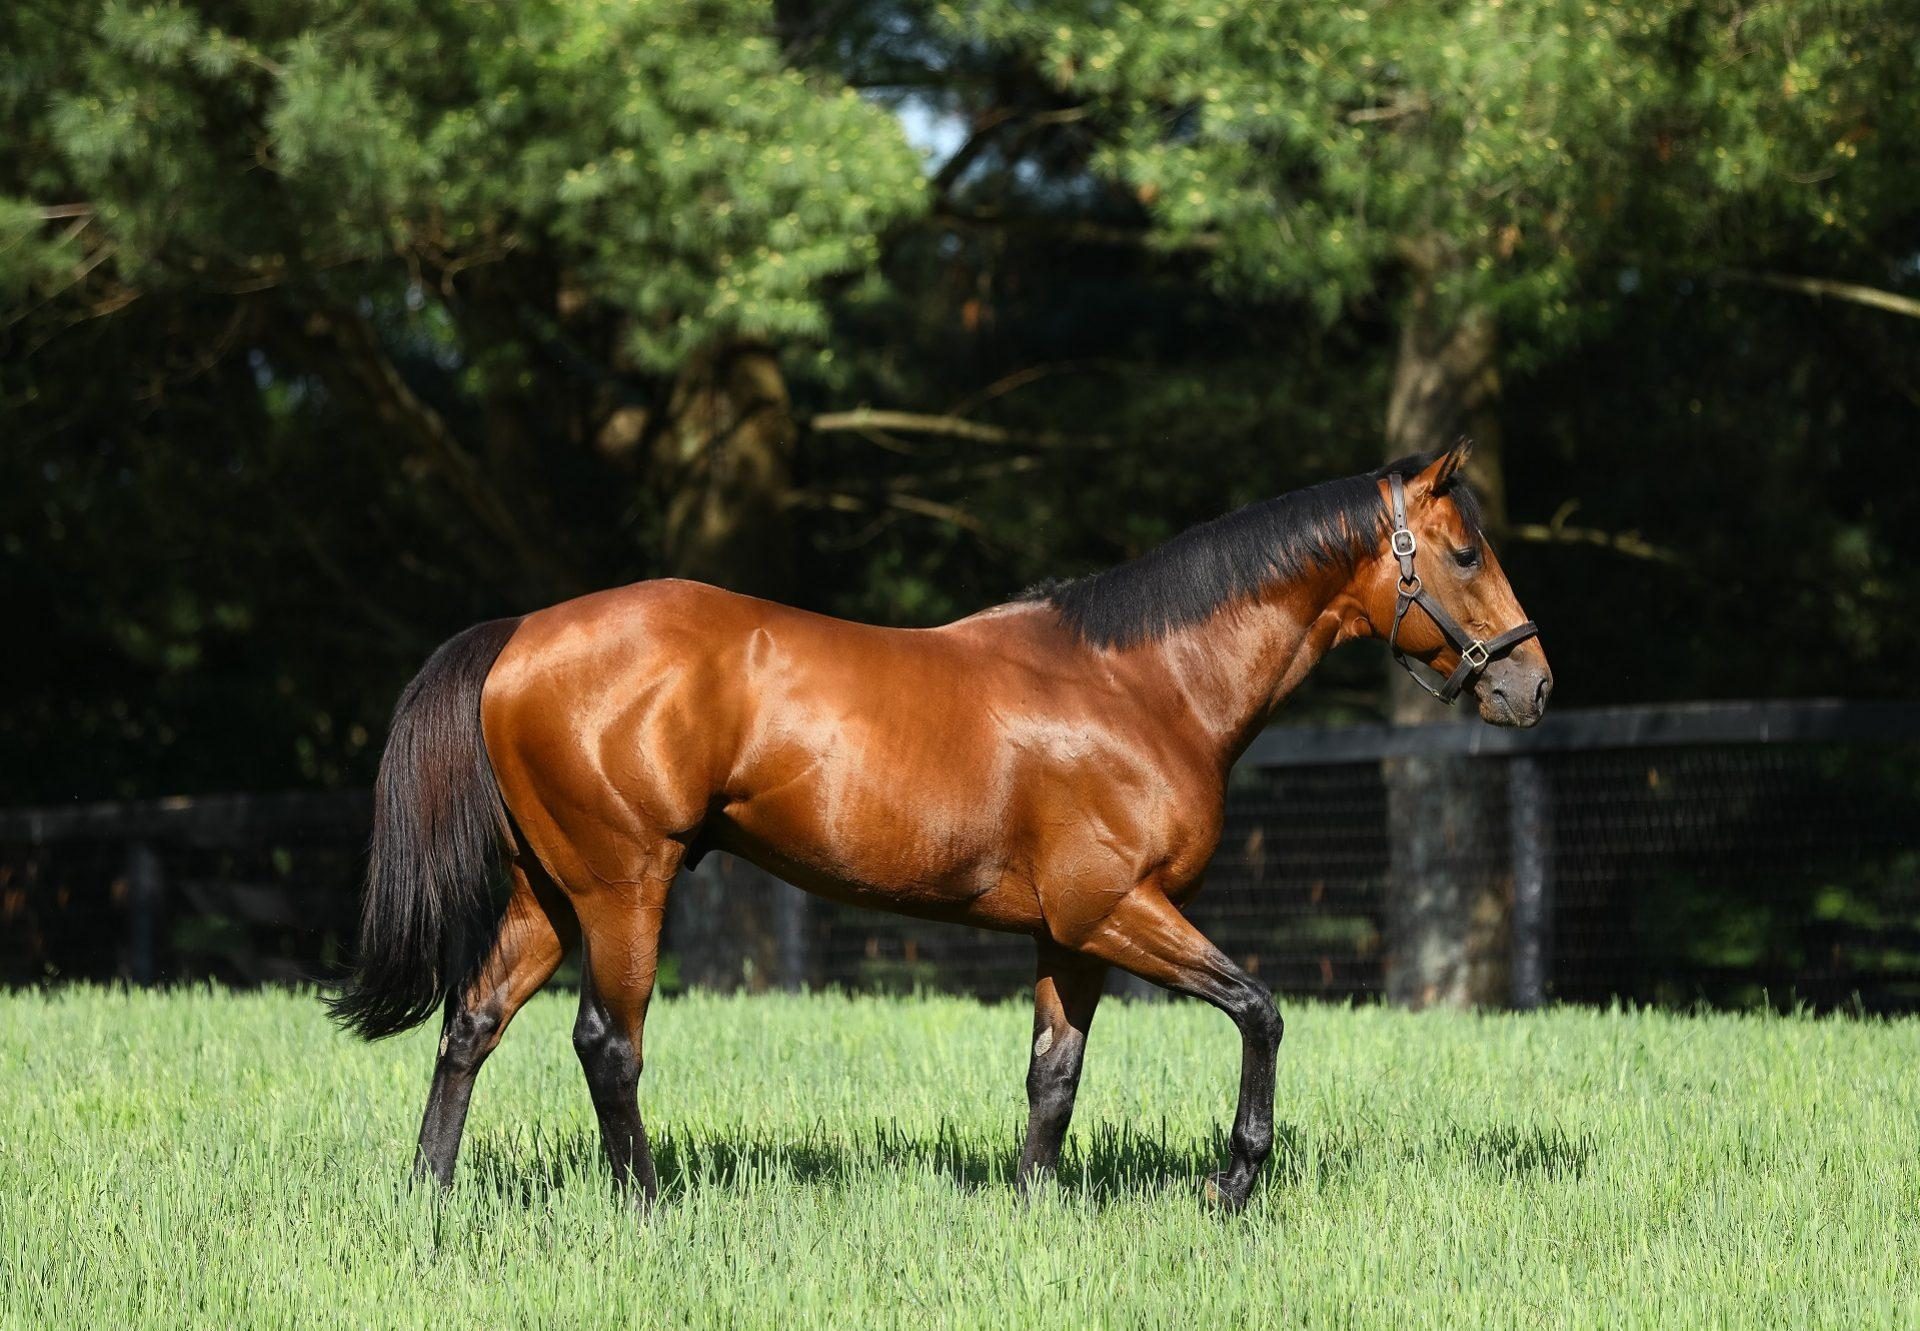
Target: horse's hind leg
x,y
1065,994
622,954
1147,935
535,932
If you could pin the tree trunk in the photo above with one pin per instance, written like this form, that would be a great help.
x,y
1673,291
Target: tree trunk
x,y
724,455
723,450
1449,888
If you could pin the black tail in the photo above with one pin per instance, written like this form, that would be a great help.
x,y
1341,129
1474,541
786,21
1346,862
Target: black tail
x,y
436,852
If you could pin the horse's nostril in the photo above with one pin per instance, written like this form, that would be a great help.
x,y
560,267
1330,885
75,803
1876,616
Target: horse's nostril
x,y
1541,690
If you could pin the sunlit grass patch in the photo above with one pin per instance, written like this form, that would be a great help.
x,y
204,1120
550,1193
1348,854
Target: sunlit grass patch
x,y
205,1158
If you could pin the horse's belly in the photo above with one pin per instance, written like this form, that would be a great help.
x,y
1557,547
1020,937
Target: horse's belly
x,y
881,859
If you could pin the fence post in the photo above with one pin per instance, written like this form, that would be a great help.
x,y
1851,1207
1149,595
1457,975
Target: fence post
x,y
1446,894
734,926
146,882
1530,827
791,912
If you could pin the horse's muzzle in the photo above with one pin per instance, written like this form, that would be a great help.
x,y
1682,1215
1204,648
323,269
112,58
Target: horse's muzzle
x,y
1514,692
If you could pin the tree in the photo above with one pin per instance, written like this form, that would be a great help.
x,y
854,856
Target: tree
x,y
592,215
1475,165
557,259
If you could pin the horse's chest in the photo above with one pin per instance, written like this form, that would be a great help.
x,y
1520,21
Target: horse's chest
x,y
1127,826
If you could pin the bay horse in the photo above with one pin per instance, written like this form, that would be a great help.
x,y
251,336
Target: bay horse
x,y
1054,767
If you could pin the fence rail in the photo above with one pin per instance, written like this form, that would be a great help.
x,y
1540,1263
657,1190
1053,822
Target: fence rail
x,y
197,819
1716,851
1590,729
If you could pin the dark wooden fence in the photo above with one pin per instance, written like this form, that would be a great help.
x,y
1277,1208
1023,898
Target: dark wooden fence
x,y
241,888
1585,801
1725,852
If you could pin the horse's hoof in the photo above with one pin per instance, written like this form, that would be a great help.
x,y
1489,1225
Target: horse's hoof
x,y
1221,1195
1033,1183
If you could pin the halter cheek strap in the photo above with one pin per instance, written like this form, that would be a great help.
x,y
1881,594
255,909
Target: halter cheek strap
x,y
1475,655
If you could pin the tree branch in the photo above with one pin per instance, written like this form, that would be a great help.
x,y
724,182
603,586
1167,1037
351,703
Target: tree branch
x,y
1557,532
988,129
1392,111
1033,374
899,502
1819,287
397,405
1080,232
967,153
863,420
950,514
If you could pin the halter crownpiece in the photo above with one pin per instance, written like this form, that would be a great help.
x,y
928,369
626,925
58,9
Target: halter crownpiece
x,y
1475,655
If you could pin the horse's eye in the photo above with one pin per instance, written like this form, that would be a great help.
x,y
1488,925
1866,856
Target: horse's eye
x,y
1468,558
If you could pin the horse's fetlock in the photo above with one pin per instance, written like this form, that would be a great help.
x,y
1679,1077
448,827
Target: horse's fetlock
x,y
1253,1142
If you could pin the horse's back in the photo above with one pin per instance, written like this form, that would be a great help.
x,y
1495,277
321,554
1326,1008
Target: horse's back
x,y
683,696
671,637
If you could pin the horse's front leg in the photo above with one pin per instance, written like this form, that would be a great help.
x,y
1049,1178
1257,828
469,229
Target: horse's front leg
x,y
1147,935
1065,993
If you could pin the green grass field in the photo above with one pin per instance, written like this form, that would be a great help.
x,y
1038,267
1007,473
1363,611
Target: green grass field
x,y
213,1160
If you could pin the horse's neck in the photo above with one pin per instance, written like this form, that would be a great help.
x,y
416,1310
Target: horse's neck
x,y
1233,668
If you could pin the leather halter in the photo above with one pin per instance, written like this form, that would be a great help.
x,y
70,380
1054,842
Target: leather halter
x,y
1475,655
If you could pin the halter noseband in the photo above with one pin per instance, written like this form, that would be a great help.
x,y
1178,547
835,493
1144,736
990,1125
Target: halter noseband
x,y
1475,655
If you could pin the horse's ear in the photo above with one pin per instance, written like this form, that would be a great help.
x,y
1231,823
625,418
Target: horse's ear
x,y
1440,473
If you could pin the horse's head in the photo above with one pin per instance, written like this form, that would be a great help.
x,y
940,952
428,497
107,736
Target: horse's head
x,y
1441,598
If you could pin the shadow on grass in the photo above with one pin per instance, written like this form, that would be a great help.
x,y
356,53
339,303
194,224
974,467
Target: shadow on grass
x,y
1104,1164
1107,1162
1509,1151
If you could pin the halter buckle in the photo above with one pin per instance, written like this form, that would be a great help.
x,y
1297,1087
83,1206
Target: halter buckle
x,y
1475,655
1399,551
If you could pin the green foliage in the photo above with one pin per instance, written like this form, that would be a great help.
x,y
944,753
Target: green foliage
x,y
663,154
321,307
1504,146
327,328
231,1160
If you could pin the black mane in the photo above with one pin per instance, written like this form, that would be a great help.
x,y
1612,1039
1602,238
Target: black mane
x,y
1335,524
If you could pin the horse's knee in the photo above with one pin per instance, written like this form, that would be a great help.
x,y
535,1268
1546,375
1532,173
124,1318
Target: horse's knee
x,y
1257,1015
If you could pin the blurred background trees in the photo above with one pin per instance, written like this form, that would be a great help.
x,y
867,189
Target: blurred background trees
x,y
1482,174
329,329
